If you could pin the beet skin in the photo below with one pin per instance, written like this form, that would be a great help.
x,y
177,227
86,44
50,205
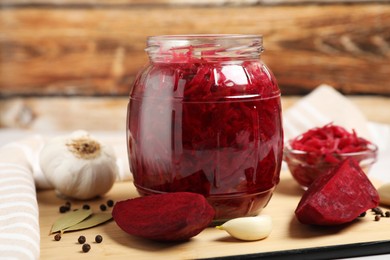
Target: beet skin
x,y
173,216
338,196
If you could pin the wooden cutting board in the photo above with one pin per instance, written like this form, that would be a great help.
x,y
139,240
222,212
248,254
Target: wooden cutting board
x,y
287,232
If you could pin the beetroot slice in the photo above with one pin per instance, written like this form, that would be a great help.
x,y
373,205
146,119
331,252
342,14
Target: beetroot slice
x,y
173,216
338,196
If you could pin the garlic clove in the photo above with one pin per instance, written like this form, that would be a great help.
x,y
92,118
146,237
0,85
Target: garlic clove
x,y
248,228
384,194
79,166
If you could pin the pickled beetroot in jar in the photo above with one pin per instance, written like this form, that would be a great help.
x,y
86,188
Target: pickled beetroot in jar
x,y
205,116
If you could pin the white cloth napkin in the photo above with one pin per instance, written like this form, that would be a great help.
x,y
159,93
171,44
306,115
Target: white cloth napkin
x,y
20,174
19,221
322,106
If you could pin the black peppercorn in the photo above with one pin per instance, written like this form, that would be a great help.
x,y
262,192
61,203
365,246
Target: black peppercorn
x,y
378,211
81,239
103,207
387,214
86,206
86,248
64,209
110,203
57,237
377,217
98,239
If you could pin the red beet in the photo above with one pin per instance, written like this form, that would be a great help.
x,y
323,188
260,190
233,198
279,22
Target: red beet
x,y
174,216
338,196
327,143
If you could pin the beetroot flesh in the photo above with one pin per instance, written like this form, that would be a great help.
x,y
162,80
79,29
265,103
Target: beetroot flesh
x,y
174,216
338,196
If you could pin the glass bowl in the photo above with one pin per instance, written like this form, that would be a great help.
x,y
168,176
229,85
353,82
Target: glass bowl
x,y
305,167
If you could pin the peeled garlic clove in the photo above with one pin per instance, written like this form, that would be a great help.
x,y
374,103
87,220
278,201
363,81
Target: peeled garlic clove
x,y
79,166
384,194
248,228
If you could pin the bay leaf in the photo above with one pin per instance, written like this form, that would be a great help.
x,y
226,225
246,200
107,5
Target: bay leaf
x,y
93,220
70,219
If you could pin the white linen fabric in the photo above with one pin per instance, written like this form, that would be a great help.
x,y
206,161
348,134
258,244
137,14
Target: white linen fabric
x,y
19,221
322,106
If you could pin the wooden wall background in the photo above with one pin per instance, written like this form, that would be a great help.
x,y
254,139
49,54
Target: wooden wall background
x,y
95,47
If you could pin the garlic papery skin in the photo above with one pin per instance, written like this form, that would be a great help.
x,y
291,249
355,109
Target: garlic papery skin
x,y
79,166
248,228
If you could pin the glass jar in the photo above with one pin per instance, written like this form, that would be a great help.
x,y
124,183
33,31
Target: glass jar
x,y
205,116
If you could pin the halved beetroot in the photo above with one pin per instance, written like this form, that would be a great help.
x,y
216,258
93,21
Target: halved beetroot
x,y
338,196
173,216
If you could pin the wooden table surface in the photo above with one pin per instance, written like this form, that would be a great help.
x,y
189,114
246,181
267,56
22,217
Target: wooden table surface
x,y
66,114
287,232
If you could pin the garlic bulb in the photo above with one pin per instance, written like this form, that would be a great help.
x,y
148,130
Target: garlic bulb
x,y
248,228
78,166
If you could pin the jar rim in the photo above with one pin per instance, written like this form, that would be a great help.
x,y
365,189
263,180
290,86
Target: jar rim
x,y
186,37
206,46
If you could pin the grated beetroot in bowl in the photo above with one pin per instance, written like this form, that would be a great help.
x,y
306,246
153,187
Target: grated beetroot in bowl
x,y
328,141
209,127
322,148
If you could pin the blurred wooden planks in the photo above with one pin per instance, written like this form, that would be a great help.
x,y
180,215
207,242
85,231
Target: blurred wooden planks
x,y
91,47
179,2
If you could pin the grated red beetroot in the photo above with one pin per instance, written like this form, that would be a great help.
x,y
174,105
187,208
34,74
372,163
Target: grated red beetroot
x,y
325,143
209,127
321,148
